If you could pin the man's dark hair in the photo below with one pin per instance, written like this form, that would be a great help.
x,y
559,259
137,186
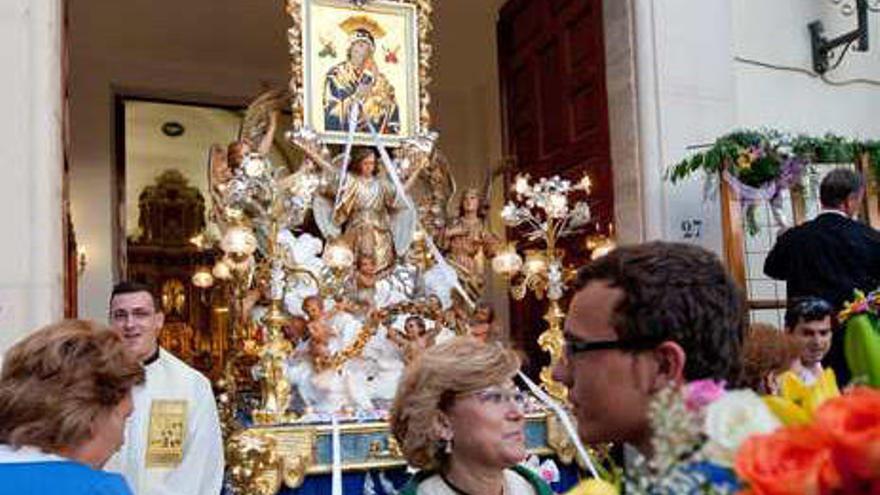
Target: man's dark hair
x,y
129,287
676,292
838,185
804,309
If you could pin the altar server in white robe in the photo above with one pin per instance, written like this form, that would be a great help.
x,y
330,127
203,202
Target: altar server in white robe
x,y
173,444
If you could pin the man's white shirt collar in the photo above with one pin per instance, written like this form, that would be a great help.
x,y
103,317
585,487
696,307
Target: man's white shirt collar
x,y
835,212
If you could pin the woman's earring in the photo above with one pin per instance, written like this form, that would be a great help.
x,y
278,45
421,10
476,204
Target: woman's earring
x,y
447,449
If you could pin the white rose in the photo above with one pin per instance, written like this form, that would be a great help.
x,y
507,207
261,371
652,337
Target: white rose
x,y
731,419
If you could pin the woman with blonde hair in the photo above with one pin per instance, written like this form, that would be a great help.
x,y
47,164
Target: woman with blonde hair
x,y
65,394
459,418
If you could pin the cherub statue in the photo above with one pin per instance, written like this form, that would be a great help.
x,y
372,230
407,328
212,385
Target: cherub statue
x,y
318,327
414,339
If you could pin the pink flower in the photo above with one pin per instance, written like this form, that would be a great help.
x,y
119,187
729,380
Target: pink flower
x,y
699,394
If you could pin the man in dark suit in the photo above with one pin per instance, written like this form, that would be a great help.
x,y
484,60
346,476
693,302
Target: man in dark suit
x,y
831,255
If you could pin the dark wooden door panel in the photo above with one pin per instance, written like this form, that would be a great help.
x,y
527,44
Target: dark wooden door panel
x,y
552,67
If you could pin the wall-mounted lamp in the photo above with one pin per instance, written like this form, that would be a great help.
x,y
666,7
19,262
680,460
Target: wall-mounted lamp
x,y
822,46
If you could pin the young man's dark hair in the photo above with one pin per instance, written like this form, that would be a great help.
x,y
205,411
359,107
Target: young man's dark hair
x,y
675,292
804,309
130,287
838,185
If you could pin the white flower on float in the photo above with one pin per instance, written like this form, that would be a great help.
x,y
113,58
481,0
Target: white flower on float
x,y
507,261
221,270
254,165
202,278
557,205
521,185
536,262
585,184
239,241
731,419
510,214
338,255
580,214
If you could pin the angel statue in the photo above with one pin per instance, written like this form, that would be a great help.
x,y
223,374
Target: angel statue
x,y
364,209
469,242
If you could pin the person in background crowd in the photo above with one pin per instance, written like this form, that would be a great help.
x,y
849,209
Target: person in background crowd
x,y
831,255
767,353
458,417
809,320
65,395
173,441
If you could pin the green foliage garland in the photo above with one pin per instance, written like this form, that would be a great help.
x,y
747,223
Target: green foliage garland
x,y
755,156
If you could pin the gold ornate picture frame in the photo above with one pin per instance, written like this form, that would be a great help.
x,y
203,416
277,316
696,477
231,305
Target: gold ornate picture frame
x,y
392,76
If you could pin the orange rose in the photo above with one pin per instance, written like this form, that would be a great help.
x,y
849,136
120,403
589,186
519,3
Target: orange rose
x,y
790,461
852,421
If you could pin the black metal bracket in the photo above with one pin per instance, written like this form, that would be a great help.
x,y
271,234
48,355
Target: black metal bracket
x,y
822,46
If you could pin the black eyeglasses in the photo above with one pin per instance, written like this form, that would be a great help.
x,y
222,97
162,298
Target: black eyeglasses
x,y
575,346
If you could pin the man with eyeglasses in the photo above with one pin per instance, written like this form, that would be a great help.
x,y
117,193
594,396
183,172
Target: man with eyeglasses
x,y
173,443
643,318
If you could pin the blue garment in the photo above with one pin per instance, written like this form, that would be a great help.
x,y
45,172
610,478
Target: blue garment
x,y
58,478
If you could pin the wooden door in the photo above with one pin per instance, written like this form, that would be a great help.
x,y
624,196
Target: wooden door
x,y
552,71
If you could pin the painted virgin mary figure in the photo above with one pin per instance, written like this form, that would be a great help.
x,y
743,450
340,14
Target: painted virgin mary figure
x,y
357,80
365,210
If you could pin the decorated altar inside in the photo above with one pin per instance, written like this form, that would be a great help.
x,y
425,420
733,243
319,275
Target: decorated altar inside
x,y
346,267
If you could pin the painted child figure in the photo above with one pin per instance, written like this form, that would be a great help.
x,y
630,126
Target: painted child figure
x,y
414,339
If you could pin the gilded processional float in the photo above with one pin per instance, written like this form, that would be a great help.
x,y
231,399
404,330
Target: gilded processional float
x,y
350,264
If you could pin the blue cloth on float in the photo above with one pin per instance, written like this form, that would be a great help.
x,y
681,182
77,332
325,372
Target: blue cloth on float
x,y
353,482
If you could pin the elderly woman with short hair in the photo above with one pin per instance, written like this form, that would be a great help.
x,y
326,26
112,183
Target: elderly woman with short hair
x,y
65,394
459,418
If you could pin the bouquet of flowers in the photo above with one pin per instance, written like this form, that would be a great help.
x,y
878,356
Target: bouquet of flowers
x,y
838,452
831,442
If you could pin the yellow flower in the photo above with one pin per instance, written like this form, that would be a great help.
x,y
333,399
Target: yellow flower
x,y
797,401
594,486
744,161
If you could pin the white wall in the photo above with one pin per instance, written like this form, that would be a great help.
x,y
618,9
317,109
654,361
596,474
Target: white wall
x,y
691,89
685,88
207,51
776,33
31,256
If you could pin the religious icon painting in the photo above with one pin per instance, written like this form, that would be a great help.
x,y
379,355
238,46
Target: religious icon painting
x,y
360,70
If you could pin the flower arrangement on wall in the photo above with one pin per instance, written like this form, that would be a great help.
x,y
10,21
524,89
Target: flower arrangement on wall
x,y
760,164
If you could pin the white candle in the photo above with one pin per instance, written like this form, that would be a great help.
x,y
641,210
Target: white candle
x,y
337,458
